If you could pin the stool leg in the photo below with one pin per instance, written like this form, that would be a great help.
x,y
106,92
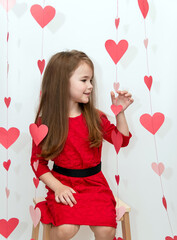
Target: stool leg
x,y
46,232
35,232
126,227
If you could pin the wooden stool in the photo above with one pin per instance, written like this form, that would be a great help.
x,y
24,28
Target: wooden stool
x,y
125,222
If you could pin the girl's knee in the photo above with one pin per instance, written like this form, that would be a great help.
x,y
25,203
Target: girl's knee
x,y
103,232
66,231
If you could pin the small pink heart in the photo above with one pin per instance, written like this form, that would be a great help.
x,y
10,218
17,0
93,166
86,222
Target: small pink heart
x,y
116,86
117,21
7,101
7,36
7,164
7,192
36,182
117,140
146,43
35,165
41,65
170,238
35,215
7,5
158,168
38,133
148,81
116,109
117,177
120,212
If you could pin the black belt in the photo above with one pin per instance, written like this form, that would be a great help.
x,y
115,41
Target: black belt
x,y
77,172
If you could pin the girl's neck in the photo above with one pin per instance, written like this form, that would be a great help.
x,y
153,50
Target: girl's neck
x,y
75,111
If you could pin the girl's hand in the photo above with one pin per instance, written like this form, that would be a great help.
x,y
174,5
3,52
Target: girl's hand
x,y
124,98
64,194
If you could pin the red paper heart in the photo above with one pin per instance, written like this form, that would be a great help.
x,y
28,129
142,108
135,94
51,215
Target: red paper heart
x,y
158,168
41,65
117,177
164,202
148,81
118,238
7,101
38,133
170,238
35,215
42,16
36,182
152,123
7,227
116,109
117,21
7,164
116,51
8,137
117,140
144,7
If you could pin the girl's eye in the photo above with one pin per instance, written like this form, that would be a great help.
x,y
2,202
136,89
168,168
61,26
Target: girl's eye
x,y
83,80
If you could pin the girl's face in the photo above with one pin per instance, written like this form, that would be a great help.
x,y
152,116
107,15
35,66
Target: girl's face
x,y
81,84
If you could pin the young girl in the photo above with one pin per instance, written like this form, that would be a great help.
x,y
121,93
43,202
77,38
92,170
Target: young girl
x,y
78,193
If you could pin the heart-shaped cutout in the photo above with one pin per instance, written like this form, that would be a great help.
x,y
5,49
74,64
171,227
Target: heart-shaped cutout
x,y
117,21
38,133
41,65
35,165
144,7
7,227
120,212
36,182
116,109
7,164
146,43
7,192
170,238
7,5
158,168
117,140
8,137
7,101
148,81
116,86
164,202
117,177
35,215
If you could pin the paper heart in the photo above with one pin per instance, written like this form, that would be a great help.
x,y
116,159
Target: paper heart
x,y
117,21
7,164
36,182
35,165
7,192
7,68
38,133
7,227
148,81
117,140
120,212
119,238
158,168
146,43
116,109
117,177
116,86
41,65
35,215
152,123
8,137
7,5
42,16
144,7
164,202
7,36
170,238
7,101
116,51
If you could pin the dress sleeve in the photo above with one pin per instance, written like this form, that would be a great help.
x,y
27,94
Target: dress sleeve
x,y
107,129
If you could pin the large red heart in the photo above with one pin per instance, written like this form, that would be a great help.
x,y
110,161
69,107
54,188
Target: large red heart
x,y
7,164
170,238
38,133
117,140
42,16
116,51
144,7
7,227
8,137
152,123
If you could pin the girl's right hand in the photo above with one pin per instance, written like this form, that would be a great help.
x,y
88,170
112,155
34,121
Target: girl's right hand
x,y
64,194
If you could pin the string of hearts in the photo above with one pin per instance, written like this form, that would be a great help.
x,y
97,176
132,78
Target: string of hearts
x,y
153,122
116,50
8,136
42,15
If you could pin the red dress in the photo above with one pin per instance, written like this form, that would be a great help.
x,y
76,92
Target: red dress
x,y
95,201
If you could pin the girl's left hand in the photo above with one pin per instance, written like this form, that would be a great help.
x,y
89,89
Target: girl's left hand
x,y
124,98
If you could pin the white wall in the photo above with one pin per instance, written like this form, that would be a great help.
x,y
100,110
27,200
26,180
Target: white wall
x,y
86,25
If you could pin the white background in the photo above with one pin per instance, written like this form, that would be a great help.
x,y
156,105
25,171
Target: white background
x,y
86,25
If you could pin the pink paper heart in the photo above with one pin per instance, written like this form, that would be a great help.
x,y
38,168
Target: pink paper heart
x,y
148,81
7,5
41,65
116,86
7,68
164,202
117,21
7,227
36,182
7,36
158,168
152,123
116,51
42,16
120,212
35,215
146,43
170,238
8,137
117,177
35,165
7,192
144,7
7,164
116,109
38,133
7,101
117,140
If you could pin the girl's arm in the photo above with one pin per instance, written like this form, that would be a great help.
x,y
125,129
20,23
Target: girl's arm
x,y
121,124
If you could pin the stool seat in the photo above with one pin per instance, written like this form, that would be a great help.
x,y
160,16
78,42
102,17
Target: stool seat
x,y
125,222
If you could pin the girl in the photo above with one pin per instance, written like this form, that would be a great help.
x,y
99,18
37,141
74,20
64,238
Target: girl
x,y
78,193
